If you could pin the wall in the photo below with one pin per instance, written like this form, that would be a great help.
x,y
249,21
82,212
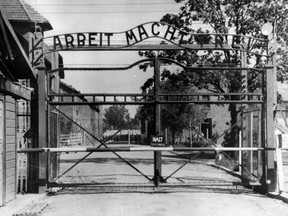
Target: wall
x,y
85,115
1,149
220,120
8,148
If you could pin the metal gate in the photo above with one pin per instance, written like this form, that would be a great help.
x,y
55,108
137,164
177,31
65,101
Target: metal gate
x,y
118,159
178,131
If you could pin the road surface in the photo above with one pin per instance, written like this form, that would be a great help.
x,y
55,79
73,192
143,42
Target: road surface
x,y
200,203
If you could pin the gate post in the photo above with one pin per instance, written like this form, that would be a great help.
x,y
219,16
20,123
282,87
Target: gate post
x,y
157,111
42,127
271,127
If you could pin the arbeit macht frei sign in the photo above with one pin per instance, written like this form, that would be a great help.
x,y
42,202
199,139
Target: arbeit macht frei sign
x,y
163,32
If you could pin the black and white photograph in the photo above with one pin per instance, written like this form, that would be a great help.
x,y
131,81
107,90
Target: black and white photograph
x,y
143,107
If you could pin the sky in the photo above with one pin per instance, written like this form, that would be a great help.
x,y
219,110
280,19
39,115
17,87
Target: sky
x,y
102,16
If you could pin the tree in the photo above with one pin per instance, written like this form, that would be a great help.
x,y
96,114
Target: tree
x,y
243,17
116,117
174,117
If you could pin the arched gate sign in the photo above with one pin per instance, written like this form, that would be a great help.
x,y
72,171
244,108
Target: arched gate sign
x,y
168,38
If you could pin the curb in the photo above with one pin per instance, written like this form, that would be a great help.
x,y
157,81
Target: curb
x,y
279,196
31,210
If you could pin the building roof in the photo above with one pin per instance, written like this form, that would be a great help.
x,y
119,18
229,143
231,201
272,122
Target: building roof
x,y
13,56
20,11
71,90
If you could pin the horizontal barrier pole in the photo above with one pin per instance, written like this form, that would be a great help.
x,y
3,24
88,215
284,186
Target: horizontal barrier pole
x,y
30,150
129,149
117,185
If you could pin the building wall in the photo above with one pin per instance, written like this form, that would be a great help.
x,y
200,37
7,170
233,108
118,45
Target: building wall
x,y
220,119
8,148
220,116
10,109
86,116
2,168
282,117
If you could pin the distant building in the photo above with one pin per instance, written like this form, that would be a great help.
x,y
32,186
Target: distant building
x,y
217,121
78,121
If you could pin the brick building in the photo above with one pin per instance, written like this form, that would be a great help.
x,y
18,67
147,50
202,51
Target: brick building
x,y
77,121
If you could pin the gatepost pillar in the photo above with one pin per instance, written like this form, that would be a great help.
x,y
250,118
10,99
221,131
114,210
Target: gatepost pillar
x,y
157,112
271,127
42,127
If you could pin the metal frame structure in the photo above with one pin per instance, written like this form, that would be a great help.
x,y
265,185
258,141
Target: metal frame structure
x,y
265,98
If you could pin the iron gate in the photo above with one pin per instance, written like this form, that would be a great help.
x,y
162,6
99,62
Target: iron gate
x,y
88,157
193,123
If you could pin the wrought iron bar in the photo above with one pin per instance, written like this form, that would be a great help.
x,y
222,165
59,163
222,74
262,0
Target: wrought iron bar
x,y
150,99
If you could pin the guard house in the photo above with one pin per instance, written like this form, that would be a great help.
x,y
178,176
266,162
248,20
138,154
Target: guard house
x,y
20,25
14,66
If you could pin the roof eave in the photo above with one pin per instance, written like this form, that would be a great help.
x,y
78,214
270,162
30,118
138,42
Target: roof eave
x,y
24,59
45,26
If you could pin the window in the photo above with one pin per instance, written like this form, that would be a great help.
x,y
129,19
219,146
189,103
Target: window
x,y
206,128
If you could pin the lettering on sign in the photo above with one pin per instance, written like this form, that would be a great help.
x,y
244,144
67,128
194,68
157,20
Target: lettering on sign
x,y
164,31
157,141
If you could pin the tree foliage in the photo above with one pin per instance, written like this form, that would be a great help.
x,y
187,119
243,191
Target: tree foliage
x,y
243,17
174,117
118,117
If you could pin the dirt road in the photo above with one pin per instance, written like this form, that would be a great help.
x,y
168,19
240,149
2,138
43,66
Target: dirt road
x,y
200,203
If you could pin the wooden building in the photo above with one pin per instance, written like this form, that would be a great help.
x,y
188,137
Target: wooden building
x,y
21,95
14,65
